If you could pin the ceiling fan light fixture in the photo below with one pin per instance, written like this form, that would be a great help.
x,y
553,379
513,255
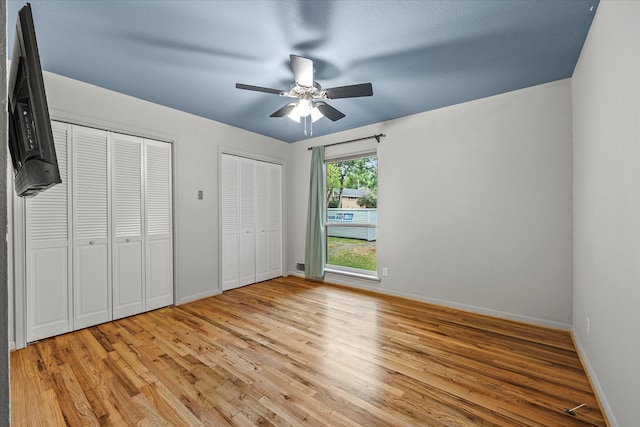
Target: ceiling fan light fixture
x,y
303,108
293,116
316,114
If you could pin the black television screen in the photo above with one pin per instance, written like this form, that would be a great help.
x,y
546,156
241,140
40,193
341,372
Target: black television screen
x,y
30,137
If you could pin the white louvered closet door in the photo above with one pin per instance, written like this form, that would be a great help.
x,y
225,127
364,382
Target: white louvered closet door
x,y
127,241
251,208
48,252
247,235
274,207
92,255
230,221
262,220
158,210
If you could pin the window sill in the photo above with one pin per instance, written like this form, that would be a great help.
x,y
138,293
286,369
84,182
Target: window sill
x,y
373,277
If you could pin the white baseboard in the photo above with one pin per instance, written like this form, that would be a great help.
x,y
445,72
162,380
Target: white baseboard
x,y
377,287
196,297
495,313
594,380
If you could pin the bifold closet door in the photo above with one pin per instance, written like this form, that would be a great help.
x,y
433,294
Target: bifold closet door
x,y
158,209
238,222
128,244
48,251
251,207
91,231
268,214
99,246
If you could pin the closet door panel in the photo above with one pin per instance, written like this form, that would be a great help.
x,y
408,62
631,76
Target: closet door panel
x,y
230,256
229,175
128,279
160,274
92,295
275,220
246,263
128,253
158,220
262,220
262,256
158,188
91,185
48,296
247,238
275,254
92,258
48,251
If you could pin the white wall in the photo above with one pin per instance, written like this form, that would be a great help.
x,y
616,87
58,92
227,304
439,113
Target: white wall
x,y
4,288
196,144
474,204
606,137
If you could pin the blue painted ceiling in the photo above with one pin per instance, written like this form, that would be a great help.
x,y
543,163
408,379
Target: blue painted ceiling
x,y
418,55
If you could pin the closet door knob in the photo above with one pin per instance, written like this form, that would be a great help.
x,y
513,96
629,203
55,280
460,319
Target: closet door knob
x,y
92,242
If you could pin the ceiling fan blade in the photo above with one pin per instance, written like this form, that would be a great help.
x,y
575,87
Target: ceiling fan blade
x,y
284,111
302,70
352,91
329,112
259,89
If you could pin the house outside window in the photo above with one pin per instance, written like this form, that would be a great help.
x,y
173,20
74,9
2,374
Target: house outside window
x,y
352,215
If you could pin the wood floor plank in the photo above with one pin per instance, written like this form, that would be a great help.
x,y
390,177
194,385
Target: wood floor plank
x,y
290,352
80,406
34,394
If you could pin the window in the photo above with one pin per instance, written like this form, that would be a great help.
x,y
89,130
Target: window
x,y
352,214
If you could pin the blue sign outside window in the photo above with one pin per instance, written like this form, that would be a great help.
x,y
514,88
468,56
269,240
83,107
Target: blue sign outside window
x,y
340,217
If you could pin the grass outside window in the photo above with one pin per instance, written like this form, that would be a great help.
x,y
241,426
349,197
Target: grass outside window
x,y
353,253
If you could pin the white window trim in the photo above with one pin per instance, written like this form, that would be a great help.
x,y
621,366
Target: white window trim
x,y
371,275
352,272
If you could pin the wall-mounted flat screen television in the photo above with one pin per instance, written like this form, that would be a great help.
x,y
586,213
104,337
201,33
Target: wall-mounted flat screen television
x,y
31,142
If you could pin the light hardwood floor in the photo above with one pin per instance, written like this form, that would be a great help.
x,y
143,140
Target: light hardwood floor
x,y
289,352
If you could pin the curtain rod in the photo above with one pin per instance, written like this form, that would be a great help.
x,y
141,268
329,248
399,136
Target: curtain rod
x,y
377,138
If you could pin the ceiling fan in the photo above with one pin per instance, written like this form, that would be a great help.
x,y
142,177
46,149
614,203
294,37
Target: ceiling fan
x,y
309,94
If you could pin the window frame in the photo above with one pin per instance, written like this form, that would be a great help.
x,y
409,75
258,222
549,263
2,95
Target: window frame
x,y
339,269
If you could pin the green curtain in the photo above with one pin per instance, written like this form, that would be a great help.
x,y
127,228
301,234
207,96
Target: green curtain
x,y
315,247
